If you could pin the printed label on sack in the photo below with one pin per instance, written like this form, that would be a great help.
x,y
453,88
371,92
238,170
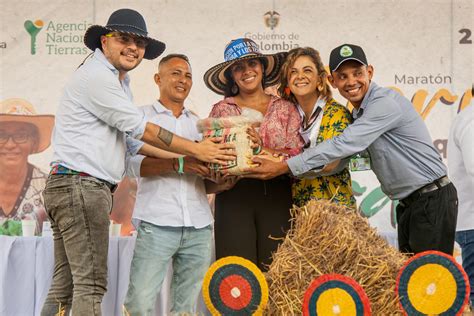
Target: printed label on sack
x,y
229,137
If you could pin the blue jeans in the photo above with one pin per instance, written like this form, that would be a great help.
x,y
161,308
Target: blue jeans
x,y
190,251
78,208
465,239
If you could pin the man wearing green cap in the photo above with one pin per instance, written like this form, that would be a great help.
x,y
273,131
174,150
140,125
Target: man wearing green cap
x,y
402,155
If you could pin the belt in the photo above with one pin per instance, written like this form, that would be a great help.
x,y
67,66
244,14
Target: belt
x,y
61,170
433,186
112,187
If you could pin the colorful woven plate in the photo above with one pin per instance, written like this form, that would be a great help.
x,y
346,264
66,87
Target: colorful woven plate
x,y
432,283
235,286
335,294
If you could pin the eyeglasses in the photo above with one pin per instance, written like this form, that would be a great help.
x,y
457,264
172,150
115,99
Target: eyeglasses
x,y
19,137
126,39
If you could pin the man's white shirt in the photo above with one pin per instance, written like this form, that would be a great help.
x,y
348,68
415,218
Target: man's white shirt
x,y
169,199
461,165
95,114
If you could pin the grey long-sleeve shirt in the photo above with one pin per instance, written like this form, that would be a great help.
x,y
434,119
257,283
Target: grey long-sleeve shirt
x,y
401,150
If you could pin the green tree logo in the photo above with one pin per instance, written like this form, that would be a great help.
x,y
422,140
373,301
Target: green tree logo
x,y
346,51
33,28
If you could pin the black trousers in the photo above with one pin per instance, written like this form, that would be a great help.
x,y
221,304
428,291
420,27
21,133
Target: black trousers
x,y
248,214
428,221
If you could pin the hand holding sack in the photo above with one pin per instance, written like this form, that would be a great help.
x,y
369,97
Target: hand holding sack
x,y
233,129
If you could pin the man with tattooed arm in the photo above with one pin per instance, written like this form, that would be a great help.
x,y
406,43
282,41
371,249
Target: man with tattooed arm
x,y
94,117
171,213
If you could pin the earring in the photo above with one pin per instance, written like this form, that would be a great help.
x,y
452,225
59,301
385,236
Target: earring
x,y
287,91
234,89
320,88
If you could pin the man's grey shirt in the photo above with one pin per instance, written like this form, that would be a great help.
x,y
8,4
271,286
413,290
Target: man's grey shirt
x,y
401,150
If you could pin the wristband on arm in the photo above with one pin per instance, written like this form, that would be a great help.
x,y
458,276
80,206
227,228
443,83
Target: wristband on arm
x,y
180,166
257,150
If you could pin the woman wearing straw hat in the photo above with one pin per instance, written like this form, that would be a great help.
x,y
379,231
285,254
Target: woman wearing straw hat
x,y
304,82
22,133
253,210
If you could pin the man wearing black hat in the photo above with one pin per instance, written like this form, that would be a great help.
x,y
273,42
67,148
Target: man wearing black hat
x,y
94,117
403,157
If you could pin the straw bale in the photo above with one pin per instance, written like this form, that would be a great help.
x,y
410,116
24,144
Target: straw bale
x,y
328,238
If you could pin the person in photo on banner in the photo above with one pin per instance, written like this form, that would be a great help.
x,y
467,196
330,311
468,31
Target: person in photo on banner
x,y
402,155
94,117
22,133
303,81
253,212
171,209
461,171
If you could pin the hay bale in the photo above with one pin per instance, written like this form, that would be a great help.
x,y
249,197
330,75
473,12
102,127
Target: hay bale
x,y
327,238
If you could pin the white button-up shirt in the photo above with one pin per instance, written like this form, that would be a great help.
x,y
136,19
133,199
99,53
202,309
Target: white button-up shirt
x,y
461,165
94,113
169,199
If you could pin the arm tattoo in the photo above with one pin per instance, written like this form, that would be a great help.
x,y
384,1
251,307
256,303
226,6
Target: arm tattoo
x,y
165,136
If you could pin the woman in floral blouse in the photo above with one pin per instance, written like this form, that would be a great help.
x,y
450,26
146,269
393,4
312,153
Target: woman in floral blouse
x,y
253,210
304,81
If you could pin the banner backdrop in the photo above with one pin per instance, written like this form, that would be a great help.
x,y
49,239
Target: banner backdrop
x,y
423,49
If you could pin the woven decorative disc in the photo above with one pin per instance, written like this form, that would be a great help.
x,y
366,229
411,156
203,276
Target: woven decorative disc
x,y
335,294
432,283
235,286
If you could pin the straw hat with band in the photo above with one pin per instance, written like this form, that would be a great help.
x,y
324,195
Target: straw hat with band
x,y
124,21
241,49
19,110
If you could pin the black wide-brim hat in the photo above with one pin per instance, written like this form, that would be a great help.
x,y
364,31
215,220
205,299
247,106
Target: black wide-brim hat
x,y
242,49
124,21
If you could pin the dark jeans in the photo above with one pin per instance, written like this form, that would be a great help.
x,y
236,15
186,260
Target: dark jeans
x,y
248,214
465,239
78,208
428,221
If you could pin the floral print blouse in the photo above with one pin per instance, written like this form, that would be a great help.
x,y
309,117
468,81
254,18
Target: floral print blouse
x,y
336,187
280,127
